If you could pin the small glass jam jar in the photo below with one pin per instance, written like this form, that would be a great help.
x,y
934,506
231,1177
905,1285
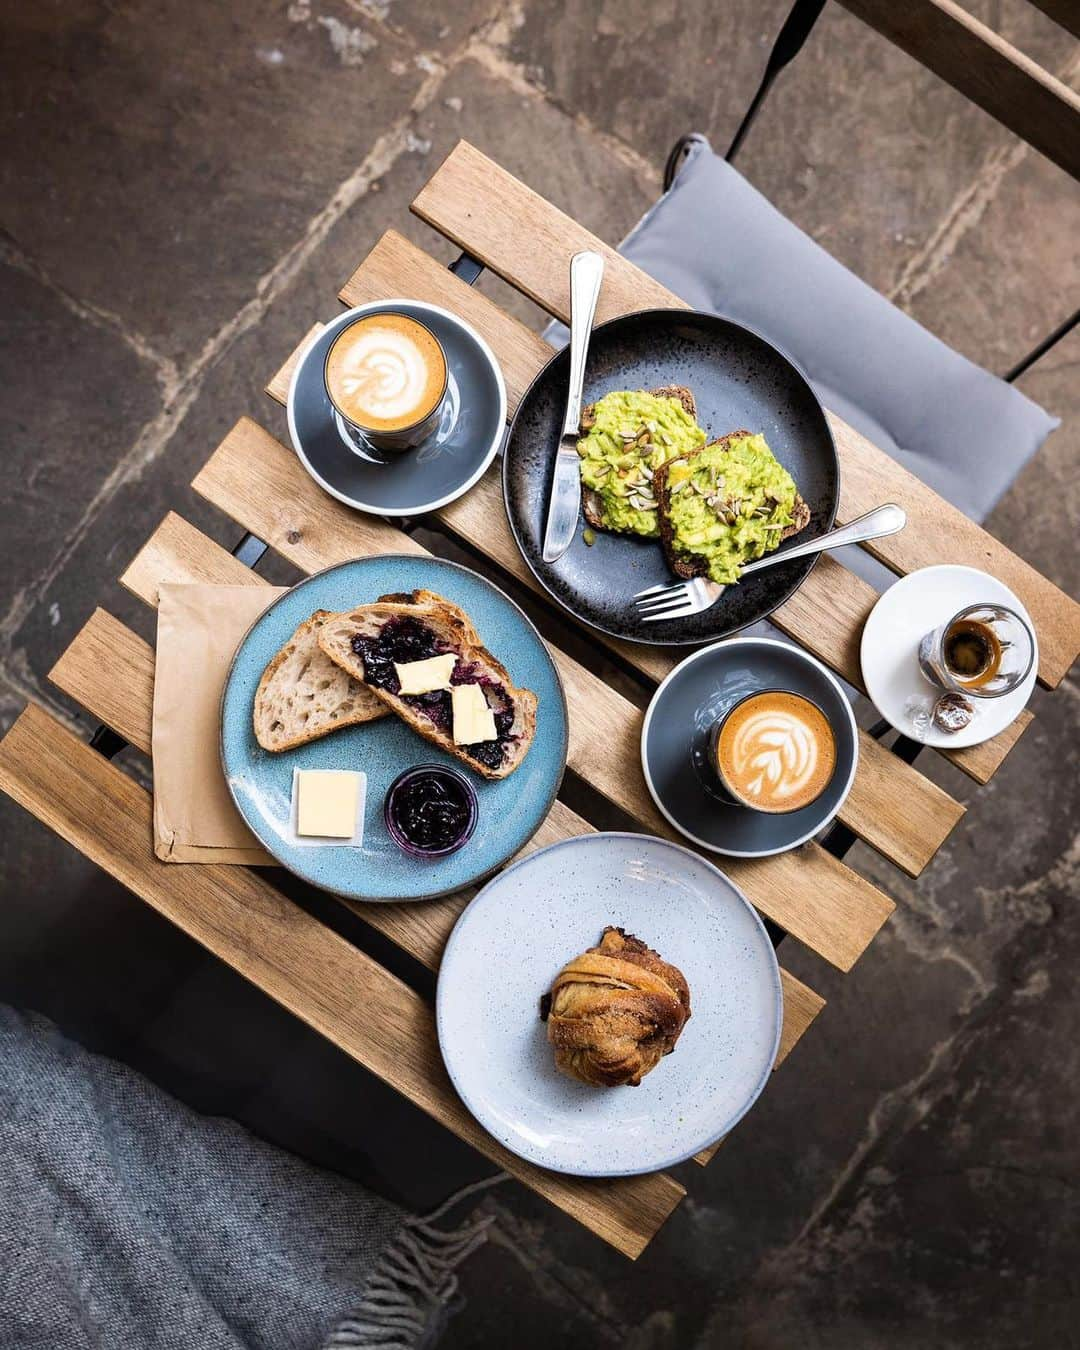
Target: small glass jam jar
x,y
430,810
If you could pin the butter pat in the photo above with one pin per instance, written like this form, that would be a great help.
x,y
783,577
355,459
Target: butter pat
x,y
326,802
473,719
424,677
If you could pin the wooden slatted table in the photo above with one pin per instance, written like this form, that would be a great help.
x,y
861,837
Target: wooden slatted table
x,y
810,893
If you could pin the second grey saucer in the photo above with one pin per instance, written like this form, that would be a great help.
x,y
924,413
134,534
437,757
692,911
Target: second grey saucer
x,y
675,738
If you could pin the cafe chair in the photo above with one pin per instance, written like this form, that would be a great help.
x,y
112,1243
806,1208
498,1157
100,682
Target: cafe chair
x,y
719,244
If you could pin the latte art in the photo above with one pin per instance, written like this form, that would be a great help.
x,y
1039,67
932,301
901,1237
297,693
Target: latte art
x,y
775,751
385,372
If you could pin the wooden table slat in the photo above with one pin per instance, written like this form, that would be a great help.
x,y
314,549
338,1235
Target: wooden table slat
x,y
529,242
110,671
817,899
330,985
177,551
825,615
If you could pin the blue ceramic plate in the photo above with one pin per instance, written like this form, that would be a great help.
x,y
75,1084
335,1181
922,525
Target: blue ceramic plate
x,y
674,745
552,906
435,472
510,810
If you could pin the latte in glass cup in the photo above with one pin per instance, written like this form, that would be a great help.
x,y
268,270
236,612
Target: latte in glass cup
x,y
774,751
386,376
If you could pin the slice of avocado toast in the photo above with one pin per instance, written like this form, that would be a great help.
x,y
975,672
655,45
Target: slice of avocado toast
x,y
626,437
724,505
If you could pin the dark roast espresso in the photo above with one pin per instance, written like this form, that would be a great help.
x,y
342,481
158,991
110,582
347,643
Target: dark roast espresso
x,y
972,652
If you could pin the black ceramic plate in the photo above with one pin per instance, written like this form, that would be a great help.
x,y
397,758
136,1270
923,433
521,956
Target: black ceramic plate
x,y
738,380
675,740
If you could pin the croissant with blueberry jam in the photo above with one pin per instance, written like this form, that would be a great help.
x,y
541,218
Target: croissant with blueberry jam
x,y
615,1011
423,658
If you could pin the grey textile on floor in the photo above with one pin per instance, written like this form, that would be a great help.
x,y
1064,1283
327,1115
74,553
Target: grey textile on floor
x,y
129,1221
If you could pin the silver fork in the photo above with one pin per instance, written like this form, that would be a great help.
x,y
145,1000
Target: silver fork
x,y
691,597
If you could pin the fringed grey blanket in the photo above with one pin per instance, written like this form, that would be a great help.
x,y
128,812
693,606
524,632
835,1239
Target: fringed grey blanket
x,y
128,1221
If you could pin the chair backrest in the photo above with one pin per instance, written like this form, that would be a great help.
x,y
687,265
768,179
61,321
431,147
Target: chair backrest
x,y
991,72
978,62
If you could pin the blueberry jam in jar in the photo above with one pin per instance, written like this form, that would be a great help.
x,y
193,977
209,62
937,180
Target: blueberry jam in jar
x,y
430,810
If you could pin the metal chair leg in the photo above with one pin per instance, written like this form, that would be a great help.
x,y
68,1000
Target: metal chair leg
x,y
789,42
1044,346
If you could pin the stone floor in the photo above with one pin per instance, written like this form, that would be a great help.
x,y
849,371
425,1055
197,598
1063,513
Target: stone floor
x,y
183,189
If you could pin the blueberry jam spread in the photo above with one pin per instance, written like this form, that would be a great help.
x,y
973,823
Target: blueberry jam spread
x,y
408,639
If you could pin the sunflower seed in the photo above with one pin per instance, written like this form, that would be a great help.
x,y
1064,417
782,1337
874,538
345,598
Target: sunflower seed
x,y
647,472
678,487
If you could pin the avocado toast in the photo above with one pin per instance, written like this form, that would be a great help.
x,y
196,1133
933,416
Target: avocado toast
x,y
626,437
724,505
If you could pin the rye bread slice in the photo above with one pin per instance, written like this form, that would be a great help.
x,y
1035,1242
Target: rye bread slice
x,y
457,634
591,502
303,695
695,564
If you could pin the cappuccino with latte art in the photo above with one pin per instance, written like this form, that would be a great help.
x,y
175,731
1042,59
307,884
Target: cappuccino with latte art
x,y
386,375
774,751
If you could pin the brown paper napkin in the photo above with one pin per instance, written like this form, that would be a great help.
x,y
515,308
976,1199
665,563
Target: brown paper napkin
x,y
199,629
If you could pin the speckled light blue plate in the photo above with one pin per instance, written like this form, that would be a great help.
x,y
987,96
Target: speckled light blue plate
x,y
510,810
552,906
441,467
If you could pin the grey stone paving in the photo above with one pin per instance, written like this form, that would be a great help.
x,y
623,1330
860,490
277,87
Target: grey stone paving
x,y
184,188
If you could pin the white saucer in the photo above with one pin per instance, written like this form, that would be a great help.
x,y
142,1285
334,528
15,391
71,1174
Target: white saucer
x,y
890,650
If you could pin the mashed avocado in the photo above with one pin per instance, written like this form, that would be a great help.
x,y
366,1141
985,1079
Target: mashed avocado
x,y
729,504
634,433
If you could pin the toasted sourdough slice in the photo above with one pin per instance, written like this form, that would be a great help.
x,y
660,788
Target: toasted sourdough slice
x,y
304,695
369,640
684,562
591,502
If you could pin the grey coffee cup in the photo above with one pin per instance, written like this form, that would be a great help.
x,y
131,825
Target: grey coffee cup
x,y
726,791
359,437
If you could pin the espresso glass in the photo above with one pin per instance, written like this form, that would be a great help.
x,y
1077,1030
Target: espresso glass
x,y
1013,636
361,438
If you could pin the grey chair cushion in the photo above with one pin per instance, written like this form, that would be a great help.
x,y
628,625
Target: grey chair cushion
x,y
721,246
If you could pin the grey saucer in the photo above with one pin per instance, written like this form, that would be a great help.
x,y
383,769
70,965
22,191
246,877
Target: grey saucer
x,y
441,467
674,741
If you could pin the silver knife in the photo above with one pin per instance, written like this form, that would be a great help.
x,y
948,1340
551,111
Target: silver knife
x,y
586,270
